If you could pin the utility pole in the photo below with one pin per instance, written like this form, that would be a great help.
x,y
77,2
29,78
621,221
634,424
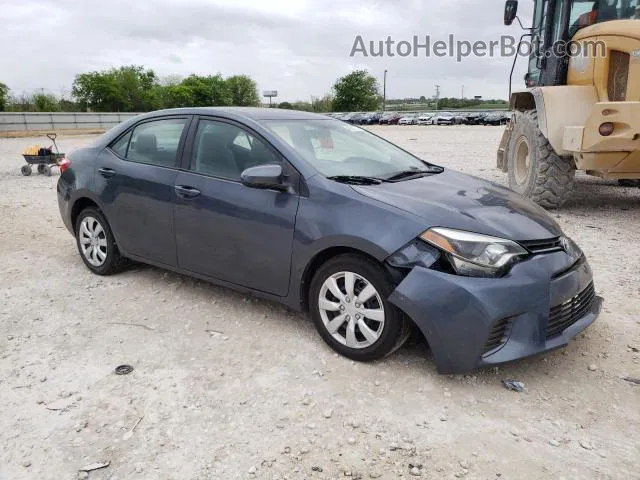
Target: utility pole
x,y
462,92
384,92
437,96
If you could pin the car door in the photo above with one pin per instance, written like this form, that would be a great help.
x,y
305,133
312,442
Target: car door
x,y
135,180
225,229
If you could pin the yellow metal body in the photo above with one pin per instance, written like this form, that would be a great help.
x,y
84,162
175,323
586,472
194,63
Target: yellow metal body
x,y
603,86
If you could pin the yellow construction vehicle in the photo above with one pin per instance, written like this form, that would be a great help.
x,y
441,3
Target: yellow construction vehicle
x,y
581,108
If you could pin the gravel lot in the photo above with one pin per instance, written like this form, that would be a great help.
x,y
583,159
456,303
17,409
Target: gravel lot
x,y
226,386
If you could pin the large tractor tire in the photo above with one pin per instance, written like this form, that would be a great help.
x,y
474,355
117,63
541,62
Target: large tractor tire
x,y
535,171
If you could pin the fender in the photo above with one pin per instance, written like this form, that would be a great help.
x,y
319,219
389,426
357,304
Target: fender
x,y
558,107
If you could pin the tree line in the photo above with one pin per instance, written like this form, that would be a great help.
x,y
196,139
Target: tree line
x,y
136,89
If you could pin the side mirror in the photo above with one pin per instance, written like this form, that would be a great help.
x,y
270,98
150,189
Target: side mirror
x,y
263,176
510,11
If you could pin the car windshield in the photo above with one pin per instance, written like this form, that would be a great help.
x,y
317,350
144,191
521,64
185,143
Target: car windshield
x,y
336,148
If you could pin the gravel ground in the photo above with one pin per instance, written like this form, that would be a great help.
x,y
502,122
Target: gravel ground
x,y
226,386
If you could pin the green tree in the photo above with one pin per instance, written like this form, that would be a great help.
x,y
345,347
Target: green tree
x,y
286,105
208,91
4,96
125,89
303,106
46,103
323,104
357,91
175,96
243,90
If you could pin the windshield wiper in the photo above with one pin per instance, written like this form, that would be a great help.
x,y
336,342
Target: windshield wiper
x,y
357,179
406,174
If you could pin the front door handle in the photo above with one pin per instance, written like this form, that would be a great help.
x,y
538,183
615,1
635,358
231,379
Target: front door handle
x,y
106,172
186,191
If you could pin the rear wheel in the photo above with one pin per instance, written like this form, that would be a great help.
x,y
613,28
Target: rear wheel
x,y
26,170
41,168
535,171
348,303
96,243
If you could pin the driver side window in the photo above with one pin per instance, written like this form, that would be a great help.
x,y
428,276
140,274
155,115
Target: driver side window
x,y
224,150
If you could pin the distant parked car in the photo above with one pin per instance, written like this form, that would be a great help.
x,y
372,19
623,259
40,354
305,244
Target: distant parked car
x,y
444,118
372,119
408,120
476,118
424,119
460,119
389,119
347,116
357,118
495,118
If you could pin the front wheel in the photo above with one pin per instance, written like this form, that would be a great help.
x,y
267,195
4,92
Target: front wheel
x,y
535,170
349,306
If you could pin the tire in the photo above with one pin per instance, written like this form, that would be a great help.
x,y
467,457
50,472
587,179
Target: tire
x,y
47,171
111,262
388,335
535,171
26,170
629,183
41,168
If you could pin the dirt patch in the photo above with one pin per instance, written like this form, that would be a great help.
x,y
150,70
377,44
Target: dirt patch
x,y
225,386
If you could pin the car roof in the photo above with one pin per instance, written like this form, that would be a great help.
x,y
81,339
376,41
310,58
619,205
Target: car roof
x,y
245,115
253,113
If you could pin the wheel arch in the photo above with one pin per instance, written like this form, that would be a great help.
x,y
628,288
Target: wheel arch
x,y
319,259
532,99
79,204
558,107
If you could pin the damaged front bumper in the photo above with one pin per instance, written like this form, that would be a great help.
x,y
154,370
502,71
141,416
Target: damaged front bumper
x,y
474,322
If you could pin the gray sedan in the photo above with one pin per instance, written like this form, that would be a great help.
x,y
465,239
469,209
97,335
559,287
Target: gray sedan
x,y
326,217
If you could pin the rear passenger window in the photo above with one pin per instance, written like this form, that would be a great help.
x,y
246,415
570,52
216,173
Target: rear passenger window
x,y
120,147
153,142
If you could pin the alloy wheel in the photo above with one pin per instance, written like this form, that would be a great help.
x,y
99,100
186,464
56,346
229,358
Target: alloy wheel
x,y
93,241
351,310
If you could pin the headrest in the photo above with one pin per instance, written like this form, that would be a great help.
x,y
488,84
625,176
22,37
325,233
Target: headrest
x,y
146,143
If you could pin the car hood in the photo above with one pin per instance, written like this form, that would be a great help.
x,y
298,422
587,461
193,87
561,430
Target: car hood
x,y
454,200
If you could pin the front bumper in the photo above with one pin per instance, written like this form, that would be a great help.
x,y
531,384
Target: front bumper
x,y
459,315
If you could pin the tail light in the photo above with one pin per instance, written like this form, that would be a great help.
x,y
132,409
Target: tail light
x,y
63,164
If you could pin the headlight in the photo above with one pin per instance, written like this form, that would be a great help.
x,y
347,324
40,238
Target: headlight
x,y
473,254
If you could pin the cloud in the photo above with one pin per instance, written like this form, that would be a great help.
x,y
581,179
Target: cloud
x,y
297,47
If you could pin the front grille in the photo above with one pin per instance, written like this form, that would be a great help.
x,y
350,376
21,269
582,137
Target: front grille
x,y
543,246
567,313
498,335
618,76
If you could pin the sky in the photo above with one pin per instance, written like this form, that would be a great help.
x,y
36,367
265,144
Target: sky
x,y
297,47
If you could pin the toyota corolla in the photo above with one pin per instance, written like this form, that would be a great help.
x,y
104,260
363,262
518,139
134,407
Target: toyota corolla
x,y
327,217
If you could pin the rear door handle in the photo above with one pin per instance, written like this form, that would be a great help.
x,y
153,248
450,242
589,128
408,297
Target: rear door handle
x,y
106,172
186,191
